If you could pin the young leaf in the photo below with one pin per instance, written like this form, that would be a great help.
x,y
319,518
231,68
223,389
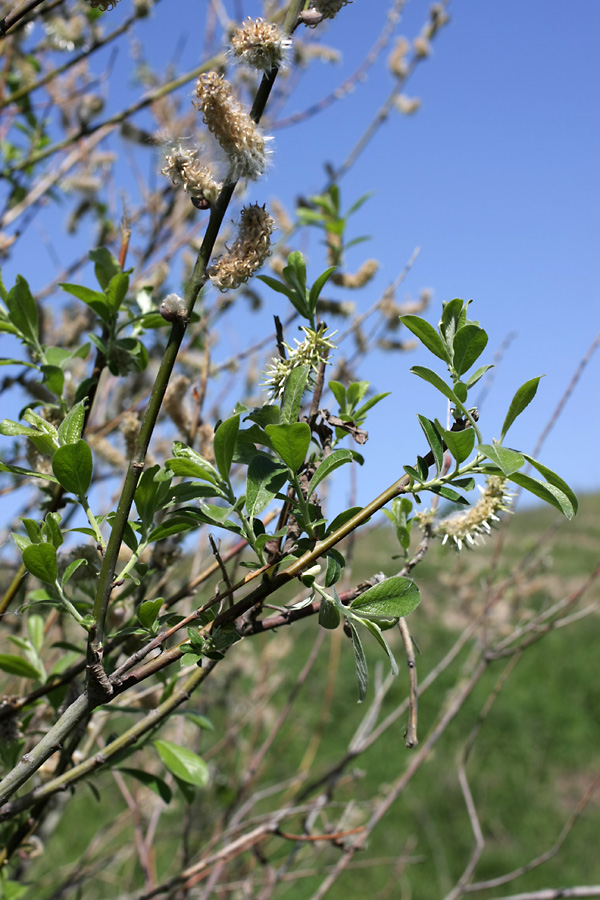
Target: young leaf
x,y
508,460
23,311
154,782
315,291
329,614
71,427
362,672
264,480
295,273
329,464
339,392
117,291
395,598
40,561
427,335
72,464
554,480
71,569
469,343
434,379
94,299
293,392
184,764
224,444
434,440
106,266
459,443
545,491
16,665
375,630
148,611
519,402
54,379
290,442
477,374
17,470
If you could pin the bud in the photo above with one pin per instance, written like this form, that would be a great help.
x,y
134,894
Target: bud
x,y
173,309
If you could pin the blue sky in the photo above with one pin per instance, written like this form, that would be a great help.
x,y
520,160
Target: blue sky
x,y
495,179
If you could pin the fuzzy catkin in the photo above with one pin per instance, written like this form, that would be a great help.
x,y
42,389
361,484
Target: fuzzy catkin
x,y
252,247
260,45
239,136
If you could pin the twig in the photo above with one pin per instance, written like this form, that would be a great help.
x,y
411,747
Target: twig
x,y
411,727
544,857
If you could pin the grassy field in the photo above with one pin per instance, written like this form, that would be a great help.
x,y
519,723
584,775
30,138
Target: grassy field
x,y
537,752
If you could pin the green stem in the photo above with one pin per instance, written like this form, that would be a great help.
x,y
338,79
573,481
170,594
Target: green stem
x,y
69,606
92,520
193,288
251,537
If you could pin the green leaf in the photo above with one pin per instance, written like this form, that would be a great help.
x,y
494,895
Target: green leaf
x,y
395,597
117,291
469,343
72,464
224,444
427,335
295,273
335,564
23,311
454,315
71,427
434,440
342,518
264,480
449,494
477,374
554,480
94,299
355,392
106,266
17,470
293,392
508,460
184,764
154,782
545,491
315,291
71,569
148,611
519,402
40,561
290,442
329,464
361,414
35,629
375,630
360,661
174,525
54,379
434,379
339,392
459,443
329,614
16,665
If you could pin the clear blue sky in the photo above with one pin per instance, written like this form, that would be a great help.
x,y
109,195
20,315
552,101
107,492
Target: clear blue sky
x,y
495,178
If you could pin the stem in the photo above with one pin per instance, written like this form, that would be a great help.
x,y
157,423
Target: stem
x,y
69,606
92,520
